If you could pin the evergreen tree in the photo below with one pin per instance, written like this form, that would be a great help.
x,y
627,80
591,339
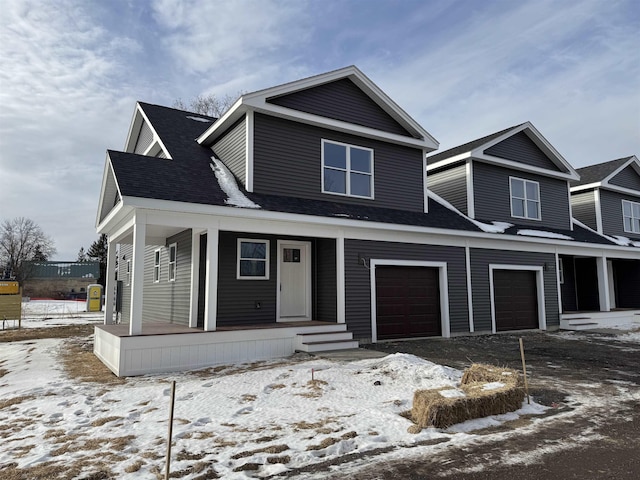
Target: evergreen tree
x,y
98,252
82,256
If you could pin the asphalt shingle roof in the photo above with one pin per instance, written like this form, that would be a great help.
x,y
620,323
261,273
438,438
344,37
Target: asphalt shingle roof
x,y
597,173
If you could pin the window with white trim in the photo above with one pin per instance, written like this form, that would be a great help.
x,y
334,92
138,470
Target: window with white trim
x,y
253,259
173,261
631,216
156,266
128,272
560,271
525,198
347,169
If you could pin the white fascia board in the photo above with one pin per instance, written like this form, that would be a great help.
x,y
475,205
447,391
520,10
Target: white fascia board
x,y
236,111
587,186
619,189
631,161
479,155
156,137
105,172
448,161
134,128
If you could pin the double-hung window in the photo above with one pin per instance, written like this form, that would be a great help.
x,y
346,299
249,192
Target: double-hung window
x,y
525,198
156,266
173,260
631,216
347,169
253,259
128,272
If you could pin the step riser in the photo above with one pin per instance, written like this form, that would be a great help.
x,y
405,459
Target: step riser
x,y
325,337
323,347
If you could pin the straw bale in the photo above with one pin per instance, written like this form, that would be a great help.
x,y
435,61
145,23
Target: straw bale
x,y
432,408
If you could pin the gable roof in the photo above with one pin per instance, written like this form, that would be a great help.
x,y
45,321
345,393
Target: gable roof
x,y
258,102
482,150
602,174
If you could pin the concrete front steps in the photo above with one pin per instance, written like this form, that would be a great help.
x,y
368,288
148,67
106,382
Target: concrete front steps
x,y
595,320
338,338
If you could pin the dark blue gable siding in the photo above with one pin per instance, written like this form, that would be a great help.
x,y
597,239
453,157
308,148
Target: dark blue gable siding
x,y
341,100
627,178
520,148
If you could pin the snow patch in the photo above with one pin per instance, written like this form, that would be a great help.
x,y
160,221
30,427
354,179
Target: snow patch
x,y
199,119
492,386
452,393
494,227
543,234
228,184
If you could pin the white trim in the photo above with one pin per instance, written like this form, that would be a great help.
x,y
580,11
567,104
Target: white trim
x,y
340,279
603,284
471,203
559,270
348,170
157,255
467,259
249,130
267,244
306,246
424,182
632,217
542,321
137,275
195,277
172,278
443,284
598,205
570,205
211,287
525,198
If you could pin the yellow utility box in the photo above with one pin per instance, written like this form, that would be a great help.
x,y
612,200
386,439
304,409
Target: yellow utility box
x,y
94,298
10,303
8,287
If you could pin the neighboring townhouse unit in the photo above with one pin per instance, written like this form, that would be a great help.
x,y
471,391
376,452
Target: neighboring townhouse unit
x,y
607,200
301,220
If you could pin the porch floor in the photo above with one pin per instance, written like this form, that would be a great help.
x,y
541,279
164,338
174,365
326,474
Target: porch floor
x,y
159,328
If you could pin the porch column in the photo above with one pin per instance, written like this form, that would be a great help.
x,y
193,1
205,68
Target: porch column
x,y
109,283
603,284
211,289
195,277
340,294
137,276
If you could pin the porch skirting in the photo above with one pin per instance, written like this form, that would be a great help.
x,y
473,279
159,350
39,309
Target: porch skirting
x,y
171,348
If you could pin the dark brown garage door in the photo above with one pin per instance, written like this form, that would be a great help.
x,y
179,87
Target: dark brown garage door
x,y
515,299
407,301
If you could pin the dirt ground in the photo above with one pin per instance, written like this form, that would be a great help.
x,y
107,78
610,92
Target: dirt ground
x,y
600,442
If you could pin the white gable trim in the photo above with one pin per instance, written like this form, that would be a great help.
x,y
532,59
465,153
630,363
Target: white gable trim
x,y
108,170
139,117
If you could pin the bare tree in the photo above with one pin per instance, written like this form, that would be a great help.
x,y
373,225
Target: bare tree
x,y
210,105
22,240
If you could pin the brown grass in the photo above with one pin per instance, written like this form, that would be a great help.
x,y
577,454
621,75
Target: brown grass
x,y
430,408
248,398
15,401
48,332
134,467
327,442
284,459
270,449
80,363
248,467
101,421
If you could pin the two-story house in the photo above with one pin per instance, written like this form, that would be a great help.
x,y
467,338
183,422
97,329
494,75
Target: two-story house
x,y
301,220
606,198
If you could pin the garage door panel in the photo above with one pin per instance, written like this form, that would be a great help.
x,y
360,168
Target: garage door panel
x,y
408,302
515,299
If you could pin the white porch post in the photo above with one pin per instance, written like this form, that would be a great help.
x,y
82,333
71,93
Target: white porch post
x,y
211,289
109,283
340,283
195,277
603,284
137,275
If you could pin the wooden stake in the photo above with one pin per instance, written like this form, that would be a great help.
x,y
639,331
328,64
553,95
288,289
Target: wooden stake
x,y
168,463
524,370
312,374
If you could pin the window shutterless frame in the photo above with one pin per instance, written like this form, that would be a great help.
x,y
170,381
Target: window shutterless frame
x,y
631,216
347,169
156,266
252,259
128,272
524,198
173,261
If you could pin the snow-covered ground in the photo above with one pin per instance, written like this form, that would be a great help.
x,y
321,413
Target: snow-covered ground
x,y
54,313
246,421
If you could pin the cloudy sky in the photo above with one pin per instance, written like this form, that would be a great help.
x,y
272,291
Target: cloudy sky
x,y
71,71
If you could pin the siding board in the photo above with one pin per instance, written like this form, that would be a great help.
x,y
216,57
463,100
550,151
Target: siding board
x,y
341,100
358,280
231,149
145,137
520,148
480,260
627,178
451,184
583,205
611,206
288,162
492,198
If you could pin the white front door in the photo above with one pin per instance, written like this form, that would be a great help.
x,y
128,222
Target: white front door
x,y
294,278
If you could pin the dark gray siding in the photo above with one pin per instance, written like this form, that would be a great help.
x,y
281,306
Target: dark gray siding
x,y
627,178
480,260
341,100
358,280
520,148
611,207
568,288
583,205
231,149
492,199
450,184
288,162
325,285
167,301
145,137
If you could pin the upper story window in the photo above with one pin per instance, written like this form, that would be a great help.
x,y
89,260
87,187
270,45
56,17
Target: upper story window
x,y
525,198
156,266
631,216
173,260
347,169
253,259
